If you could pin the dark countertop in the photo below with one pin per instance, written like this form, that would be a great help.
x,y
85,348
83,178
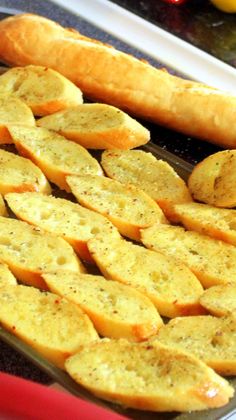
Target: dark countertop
x,y
198,23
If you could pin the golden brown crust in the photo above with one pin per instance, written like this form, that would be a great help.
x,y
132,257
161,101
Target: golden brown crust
x,y
99,70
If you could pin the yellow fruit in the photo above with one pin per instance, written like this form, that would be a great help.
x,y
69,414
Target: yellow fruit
x,y
228,6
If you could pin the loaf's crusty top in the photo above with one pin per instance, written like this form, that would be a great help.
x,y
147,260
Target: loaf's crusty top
x,y
107,75
148,376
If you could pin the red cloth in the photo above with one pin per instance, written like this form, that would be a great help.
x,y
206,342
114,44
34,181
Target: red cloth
x,y
25,400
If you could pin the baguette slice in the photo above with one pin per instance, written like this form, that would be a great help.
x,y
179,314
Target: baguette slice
x,y
97,126
211,339
126,206
3,210
53,154
13,111
18,174
29,252
116,310
6,277
220,300
107,75
61,217
213,179
211,260
44,90
208,220
154,176
147,376
51,325
170,285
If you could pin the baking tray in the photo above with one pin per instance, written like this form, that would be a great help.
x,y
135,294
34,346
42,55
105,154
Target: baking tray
x,y
183,169
193,150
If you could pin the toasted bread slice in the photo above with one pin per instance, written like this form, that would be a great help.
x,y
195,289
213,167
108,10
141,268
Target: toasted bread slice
x,y
211,260
29,252
53,326
44,90
213,179
6,277
170,285
126,206
220,300
211,339
116,310
53,154
61,217
97,126
215,222
3,209
156,177
13,111
147,376
18,174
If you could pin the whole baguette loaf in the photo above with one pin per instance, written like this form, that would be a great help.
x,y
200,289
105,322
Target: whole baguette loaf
x,y
108,75
147,376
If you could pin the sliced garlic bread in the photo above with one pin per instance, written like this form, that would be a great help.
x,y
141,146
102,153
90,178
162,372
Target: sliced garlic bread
x,y
212,221
213,179
126,206
211,260
13,111
97,126
147,376
220,300
170,285
6,277
18,174
156,177
61,217
53,326
44,90
116,310
29,252
211,339
53,154
3,209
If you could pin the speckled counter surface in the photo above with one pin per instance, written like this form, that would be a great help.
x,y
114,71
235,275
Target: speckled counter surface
x,y
189,149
